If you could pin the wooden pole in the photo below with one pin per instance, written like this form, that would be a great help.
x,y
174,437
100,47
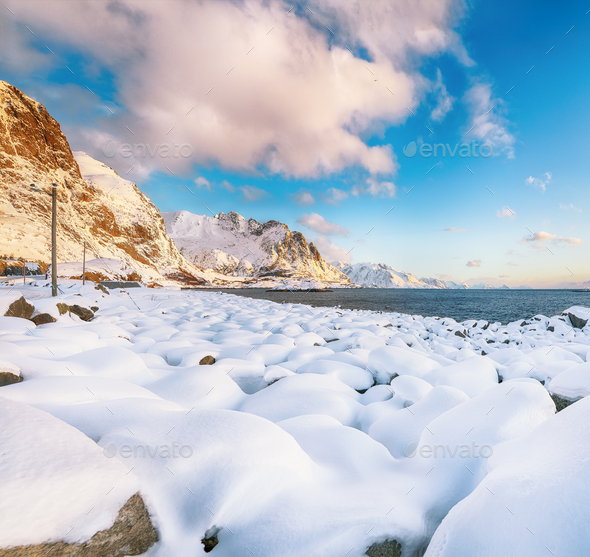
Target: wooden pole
x,y
24,272
53,240
84,265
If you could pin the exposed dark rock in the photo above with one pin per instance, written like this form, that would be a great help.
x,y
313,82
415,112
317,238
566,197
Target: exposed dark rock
x,y
207,361
210,539
332,339
62,308
561,403
42,319
552,329
20,308
506,341
459,334
83,313
94,308
577,322
131,534
390,548
7,378
102,288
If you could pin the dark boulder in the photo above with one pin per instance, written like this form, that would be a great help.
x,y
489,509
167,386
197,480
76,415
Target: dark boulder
x,y
131,534
577,322
207,361
7,378
42,319
389,548
83,313
20,308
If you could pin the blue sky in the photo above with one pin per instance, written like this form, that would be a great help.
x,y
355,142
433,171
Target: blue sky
x,y
308,124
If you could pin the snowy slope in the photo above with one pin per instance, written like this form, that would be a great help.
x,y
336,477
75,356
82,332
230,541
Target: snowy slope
x,y
379,275
230,244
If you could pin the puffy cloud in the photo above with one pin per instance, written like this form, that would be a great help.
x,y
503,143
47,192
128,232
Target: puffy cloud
x,y
487,123
376,188
201,182
444,100
540,239
243,84
506,213
330,251
335,196
539,182
474,263
320,225
303,198
570,207
456,230
252,193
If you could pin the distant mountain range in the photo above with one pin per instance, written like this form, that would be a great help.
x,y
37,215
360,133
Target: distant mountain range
x,y
380,275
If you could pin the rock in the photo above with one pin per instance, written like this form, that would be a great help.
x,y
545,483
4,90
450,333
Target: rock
x,y
102,288
42,319
459,334
561,403
83,313
62,308
210,539
577,322
389,548
94,308
551,328
20,308
7,378
207,361
131,534
332,339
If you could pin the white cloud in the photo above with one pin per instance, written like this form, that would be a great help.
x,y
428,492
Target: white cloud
x,y
334,196
330,251
444,100
376,188
252,193
474,263
456,230
539,240
540,182
570,207
201,182
320,225
296,100
487,124
303,198
506,213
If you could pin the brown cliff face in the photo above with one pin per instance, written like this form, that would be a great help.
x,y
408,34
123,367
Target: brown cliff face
x,y
33,150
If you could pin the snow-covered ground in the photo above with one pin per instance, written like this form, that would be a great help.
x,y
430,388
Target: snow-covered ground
x,y
317,432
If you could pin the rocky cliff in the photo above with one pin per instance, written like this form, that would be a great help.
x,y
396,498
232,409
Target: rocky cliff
x,y
94,204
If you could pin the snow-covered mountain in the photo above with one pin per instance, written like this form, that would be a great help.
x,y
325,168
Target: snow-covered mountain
x,y
379,275
94,204
234,246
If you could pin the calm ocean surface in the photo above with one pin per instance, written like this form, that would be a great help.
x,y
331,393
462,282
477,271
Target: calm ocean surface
x,y
493,305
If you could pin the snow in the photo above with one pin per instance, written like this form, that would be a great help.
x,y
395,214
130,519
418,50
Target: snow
x,y
56,483
289,444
